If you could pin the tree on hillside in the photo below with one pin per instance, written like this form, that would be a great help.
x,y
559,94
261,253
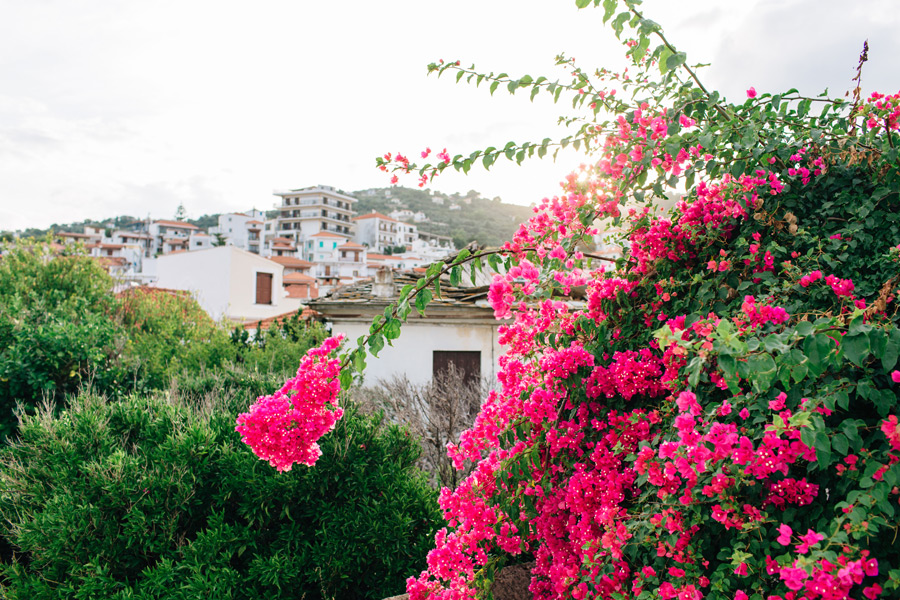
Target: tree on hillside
x,y
718,416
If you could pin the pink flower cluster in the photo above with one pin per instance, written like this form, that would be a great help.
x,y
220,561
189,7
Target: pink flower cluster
x,y
601,449
882,112
760,315
284,428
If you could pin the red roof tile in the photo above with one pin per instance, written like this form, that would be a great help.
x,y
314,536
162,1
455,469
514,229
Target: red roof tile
x,y
180,224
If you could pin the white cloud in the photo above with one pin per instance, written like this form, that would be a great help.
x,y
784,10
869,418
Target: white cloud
x,y
117,107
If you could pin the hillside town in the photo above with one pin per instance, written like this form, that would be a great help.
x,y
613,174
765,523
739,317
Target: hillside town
x,y
251,267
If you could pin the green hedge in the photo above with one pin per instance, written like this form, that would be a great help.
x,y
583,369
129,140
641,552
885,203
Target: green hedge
x,y
153,498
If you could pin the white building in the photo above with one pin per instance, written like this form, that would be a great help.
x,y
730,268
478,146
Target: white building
x,y
119,260
240,229
380,232
458,328
170,236
402,214
143,240
335,260
228,282
307,211
280,246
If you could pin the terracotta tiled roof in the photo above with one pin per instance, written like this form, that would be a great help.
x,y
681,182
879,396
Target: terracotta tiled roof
x,y
111,261
146,289
373,256
297,278
281,240
349,244
327,234
291,262
375,215
180,224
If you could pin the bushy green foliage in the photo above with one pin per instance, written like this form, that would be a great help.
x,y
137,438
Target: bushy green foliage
x,y
155,498
168,333
62,328
57,331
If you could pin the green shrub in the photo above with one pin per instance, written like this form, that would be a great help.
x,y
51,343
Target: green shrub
x,y
169,332
155,498
56,329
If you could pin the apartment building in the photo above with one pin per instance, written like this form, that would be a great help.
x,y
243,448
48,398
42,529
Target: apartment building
x,y
380,232
318,209
243,230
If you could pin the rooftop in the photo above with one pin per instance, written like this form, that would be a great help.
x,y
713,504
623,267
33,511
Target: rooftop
x,y
180,224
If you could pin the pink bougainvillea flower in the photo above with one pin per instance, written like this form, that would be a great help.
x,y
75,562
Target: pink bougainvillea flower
x,y
751,93
784,537
284,428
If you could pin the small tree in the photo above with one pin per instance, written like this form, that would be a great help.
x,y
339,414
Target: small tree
x,y
436,412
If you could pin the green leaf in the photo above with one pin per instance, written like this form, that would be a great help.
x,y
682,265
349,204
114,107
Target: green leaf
x,y
804,328
346,379
455,276
359,358
890,355
609,7
675,60
823,450
762,371
840,443
392,329
664,56
422,300
582,3
856,348
376,344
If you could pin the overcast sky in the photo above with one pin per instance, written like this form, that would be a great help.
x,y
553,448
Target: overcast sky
x,y
111,107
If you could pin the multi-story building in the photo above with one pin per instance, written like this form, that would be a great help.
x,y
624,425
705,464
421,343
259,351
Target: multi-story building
x,y
380,232
170,236
143,240
240,229
307,211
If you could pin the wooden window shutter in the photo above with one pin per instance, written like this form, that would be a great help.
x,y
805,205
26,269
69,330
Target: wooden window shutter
x,y
264,288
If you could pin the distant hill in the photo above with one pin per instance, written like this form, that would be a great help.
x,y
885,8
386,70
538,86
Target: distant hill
x,y
488,222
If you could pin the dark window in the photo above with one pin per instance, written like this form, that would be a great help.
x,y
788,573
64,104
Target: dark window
x,y
264,288
466,362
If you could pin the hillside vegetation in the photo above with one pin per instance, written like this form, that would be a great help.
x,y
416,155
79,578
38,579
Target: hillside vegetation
x,y
488,222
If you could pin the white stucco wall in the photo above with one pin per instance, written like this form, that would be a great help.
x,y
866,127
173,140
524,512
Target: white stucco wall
x,y
205,273
223,280
413,352
242,305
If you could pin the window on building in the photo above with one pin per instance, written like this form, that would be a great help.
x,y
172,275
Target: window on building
x,y
465,362
264,288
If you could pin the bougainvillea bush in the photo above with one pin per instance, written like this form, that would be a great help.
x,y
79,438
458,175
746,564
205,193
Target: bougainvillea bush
x,y
716,413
